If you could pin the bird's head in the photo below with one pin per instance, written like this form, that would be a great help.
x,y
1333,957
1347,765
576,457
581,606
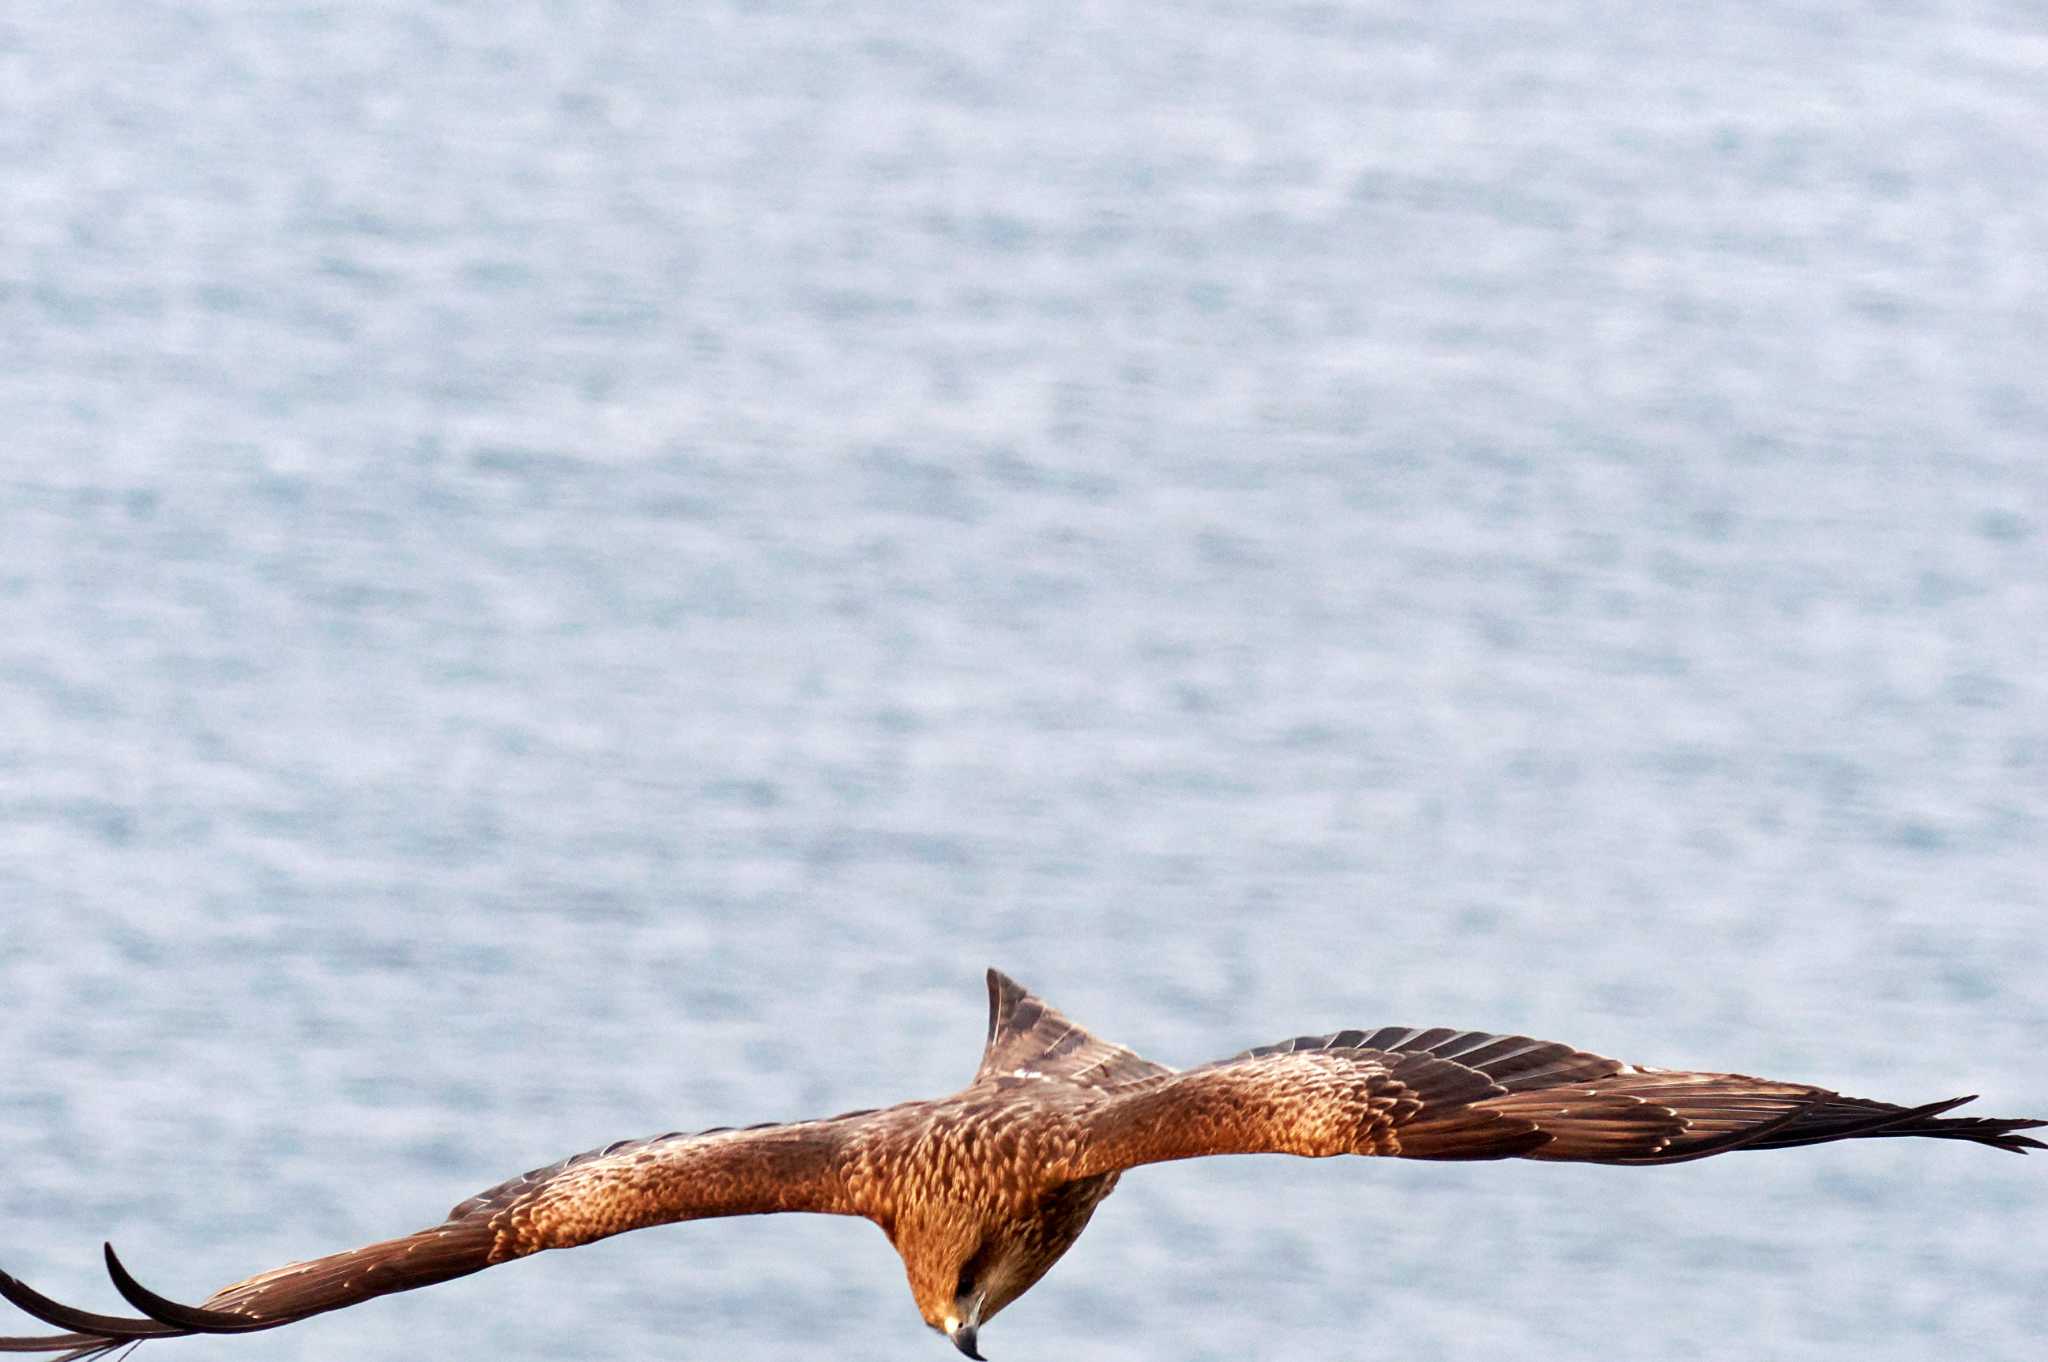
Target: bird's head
x,y
963,1278
967,1261
981,1286
947,1267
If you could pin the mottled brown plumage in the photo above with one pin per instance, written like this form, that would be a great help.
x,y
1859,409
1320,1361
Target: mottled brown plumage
x,y
981,1192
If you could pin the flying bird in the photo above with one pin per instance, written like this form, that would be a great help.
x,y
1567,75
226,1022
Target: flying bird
x,y
982,1191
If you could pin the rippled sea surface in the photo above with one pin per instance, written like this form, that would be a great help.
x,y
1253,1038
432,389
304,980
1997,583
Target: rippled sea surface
x,y
568,571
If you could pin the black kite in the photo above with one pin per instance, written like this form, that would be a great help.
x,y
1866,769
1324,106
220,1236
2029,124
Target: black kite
x,y
982,1191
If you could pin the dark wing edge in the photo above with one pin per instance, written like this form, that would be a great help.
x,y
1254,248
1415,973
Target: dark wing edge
x,y
1443,1094
1602,1110
1029,1039
626,1186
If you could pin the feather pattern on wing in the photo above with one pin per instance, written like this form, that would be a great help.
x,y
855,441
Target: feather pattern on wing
x,y
1447,1094
624,1186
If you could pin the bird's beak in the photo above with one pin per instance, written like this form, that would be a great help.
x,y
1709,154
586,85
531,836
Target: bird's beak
x,y
963,1339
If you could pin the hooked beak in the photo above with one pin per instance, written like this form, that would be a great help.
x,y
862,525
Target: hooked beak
x,y
963,1339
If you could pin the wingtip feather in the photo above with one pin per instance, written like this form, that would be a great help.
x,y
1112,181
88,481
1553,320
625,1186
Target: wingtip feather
x,y
167,1311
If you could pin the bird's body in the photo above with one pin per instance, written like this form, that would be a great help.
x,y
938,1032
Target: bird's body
x,y
982,1191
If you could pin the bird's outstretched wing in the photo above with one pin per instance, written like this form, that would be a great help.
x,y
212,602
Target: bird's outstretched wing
x,y
625,1186
1444,1094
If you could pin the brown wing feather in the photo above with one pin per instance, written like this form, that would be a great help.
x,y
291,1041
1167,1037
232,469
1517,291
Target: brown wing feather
x,y
1513,1062
1311,1102
622,1187
1445,1094
627,1186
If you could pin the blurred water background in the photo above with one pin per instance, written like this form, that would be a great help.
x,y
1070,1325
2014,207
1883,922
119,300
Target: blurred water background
x,y
570,570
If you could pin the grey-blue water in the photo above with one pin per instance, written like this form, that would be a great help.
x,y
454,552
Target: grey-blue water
x,y
572,570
